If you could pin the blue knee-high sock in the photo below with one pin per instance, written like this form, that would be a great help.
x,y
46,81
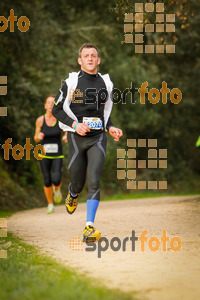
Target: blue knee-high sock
x,y
92,205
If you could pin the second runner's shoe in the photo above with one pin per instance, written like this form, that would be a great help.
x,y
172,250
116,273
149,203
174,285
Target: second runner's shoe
x,y
90,234
71,203
50,208
57,196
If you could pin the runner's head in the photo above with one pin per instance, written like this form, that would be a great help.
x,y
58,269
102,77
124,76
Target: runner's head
x,y
89,58
49,102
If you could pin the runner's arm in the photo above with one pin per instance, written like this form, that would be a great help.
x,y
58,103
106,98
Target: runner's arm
x,y
113,131
109,124
64,138
38,134
58,111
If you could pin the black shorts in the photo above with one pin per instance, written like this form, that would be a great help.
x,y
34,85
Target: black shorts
x,y
51,170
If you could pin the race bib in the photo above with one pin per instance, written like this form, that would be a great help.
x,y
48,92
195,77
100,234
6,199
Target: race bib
x,y
93,123
51,148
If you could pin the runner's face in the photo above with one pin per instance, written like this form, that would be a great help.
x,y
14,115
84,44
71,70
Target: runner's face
x,y
89,60
49,104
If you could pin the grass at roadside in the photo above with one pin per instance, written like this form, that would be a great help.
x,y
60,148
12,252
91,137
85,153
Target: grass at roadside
x,y
27,275
5,214
120,196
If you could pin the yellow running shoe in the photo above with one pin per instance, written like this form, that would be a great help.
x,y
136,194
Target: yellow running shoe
x,y
71,203
90,234
57,196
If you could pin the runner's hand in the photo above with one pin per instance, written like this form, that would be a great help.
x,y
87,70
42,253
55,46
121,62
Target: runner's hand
x,y
116,133
64,138
41,135
82,129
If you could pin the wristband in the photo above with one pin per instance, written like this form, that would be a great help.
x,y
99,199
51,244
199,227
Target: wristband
x,y
76,125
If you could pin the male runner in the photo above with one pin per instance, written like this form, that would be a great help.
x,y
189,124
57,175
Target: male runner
x,y
83,106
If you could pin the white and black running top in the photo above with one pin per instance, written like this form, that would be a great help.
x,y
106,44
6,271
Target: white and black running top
x,y
90,98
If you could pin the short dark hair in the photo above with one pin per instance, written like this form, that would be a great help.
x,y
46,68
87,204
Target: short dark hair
x,y
50,95
87,45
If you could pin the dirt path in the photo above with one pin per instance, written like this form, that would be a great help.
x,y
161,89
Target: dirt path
x,y
155,275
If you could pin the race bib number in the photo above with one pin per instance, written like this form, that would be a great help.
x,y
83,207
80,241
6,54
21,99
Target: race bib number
x,y
93,123
51,148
